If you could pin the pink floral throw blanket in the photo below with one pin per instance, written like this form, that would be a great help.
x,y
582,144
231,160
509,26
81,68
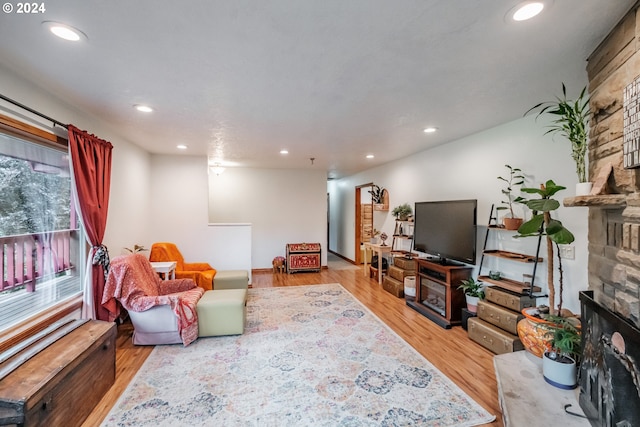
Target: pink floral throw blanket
x,y
137,287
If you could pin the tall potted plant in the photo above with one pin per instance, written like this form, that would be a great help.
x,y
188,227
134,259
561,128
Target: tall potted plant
x,y
571,120
514,179
541,224
534,327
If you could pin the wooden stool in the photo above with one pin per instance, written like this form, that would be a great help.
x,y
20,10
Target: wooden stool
x,y
278,264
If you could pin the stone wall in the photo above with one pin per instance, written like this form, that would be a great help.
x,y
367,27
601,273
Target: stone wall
x,y
614,225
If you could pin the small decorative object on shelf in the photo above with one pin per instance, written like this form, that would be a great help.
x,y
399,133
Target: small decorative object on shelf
x,y
384,238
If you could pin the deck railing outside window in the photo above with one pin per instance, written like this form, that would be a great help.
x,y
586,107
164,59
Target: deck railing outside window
x,y
29,257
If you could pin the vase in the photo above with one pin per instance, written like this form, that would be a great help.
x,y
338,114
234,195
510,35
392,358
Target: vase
x,y
561,372
472,303
534,333
583,188
511,223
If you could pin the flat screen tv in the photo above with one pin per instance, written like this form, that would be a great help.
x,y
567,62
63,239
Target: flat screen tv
x,y
446,230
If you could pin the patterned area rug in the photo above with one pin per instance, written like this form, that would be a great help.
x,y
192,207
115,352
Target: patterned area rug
x,y
311,356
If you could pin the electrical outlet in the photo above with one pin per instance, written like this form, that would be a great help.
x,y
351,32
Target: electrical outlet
x,y
567,252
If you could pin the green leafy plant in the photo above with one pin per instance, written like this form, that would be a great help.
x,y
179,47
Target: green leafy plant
x,y
402,212
571,119
564,337
472,287
377,194
541,224
136,249
514,179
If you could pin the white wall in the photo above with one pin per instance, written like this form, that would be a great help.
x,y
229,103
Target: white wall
x,y
179,215
288,206
468,169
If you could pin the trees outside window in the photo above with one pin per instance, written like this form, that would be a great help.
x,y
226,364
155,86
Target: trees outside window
x,y
39,235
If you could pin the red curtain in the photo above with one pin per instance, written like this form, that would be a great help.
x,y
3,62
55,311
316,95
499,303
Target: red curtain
x,y
91,164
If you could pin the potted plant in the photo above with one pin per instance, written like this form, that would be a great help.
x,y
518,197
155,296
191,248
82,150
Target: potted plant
x,y
559,364
541,224
571,119
473,291
377,195
533,328
374,236
402,212
515,178
136,249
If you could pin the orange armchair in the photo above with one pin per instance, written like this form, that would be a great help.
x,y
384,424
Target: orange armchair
x,y
201,272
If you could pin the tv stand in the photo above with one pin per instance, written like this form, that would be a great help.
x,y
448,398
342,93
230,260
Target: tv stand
x,y
437,294
448,262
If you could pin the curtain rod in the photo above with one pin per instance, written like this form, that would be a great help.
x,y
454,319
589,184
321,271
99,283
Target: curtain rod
x,y
31,110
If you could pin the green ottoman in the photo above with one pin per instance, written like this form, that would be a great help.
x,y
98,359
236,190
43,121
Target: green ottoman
x,y
222,312
231,279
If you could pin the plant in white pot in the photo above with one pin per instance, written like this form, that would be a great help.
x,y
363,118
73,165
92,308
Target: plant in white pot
x,y
571,120
559,364
513,180
473,292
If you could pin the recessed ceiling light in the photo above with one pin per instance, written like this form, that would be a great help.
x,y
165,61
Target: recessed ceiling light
x,y
284,151
64,31
181,147
370,156
527,10
430,130
143,108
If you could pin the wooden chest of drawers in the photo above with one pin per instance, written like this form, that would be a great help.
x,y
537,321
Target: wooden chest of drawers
x,y
62,383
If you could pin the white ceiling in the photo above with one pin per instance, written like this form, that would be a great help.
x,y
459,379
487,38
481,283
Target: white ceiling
x,y
329,79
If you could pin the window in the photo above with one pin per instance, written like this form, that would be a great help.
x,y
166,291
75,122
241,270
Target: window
x,y
41,244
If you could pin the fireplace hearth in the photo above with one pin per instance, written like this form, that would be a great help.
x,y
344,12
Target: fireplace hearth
x,y
609,373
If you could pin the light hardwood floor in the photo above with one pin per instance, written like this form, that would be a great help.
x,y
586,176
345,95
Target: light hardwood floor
x,y
466,363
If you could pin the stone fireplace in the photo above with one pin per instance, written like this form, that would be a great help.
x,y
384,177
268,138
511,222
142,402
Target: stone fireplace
x,y
609,372
611,308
